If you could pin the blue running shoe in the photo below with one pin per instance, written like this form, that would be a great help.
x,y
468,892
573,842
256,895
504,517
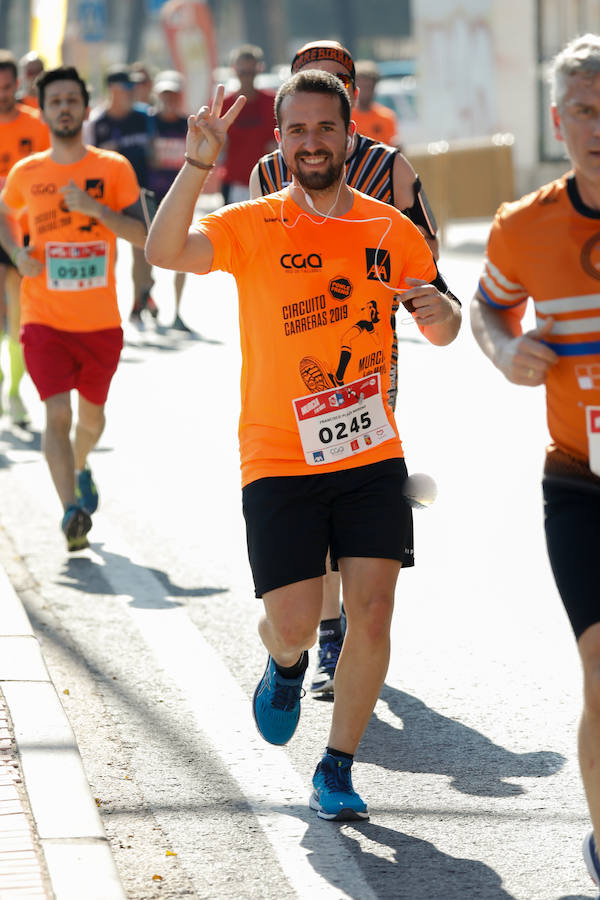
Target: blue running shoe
x,y
333,797
75,524
86,491
590,856
276,704
322,682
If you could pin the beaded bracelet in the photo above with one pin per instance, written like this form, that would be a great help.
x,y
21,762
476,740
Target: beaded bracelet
x,y
198,165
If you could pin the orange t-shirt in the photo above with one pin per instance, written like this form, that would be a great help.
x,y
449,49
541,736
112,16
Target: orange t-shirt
x,y
315,311
378,122
22,136
76,291
547,246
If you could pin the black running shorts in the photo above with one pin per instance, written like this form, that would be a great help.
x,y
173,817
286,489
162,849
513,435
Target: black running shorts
x,y
572,522
292,521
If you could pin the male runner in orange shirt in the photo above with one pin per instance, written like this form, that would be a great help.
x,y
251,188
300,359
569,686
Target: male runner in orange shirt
x,y
382,172
319,469
21,133
546,246
372,118
79,200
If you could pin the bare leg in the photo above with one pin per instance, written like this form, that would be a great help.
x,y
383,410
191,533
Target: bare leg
x,y
331,593
179,283
17,362
89,427
589,728
3,273
369,586
290,621
57,447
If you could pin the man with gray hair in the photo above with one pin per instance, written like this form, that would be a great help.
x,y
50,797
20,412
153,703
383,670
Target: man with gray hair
x,y
546,247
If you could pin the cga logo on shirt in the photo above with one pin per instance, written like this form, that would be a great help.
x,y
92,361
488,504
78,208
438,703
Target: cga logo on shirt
x,y
378,264
299,261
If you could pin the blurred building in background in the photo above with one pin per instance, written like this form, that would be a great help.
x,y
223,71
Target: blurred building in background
x,y
455,71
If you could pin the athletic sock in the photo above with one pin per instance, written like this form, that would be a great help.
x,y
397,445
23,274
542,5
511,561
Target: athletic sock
x,y
296,670
330,630
339,754
17,365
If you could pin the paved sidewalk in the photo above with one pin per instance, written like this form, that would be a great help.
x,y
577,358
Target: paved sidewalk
x,y
52,842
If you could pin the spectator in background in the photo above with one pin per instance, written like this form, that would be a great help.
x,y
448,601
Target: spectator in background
x,y
143,78
251,134
169,130
30,66
372,118
118,125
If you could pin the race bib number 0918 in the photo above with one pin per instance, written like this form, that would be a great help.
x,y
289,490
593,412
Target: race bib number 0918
x,y
341,422
73,267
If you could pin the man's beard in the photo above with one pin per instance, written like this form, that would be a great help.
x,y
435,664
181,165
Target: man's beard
x,y
319,181
66,131
7,106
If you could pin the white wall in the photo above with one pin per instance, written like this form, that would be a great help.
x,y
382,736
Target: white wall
x,y
477,75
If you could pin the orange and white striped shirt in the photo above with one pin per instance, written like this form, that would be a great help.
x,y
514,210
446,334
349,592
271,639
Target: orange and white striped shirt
x,y
546,246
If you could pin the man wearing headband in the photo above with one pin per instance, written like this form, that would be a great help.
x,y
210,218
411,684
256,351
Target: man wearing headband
x,y
375,169
381,172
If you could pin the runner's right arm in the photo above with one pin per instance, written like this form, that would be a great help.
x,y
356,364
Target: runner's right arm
x,y
170,243
500,335
123,225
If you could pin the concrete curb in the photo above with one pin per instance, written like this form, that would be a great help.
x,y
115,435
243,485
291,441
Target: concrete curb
x,y
77,854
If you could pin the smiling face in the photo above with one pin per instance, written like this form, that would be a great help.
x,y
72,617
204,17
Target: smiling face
x,y
577,123
64,108
313,138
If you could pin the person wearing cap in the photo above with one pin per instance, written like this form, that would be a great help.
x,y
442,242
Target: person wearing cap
x,y
381,172
143,81
169,131
251,134
117,125
372,118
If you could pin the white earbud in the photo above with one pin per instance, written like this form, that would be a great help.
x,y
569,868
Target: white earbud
x,y
309,199
349,141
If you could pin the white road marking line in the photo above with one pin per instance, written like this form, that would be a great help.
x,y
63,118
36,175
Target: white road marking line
x,y
266,778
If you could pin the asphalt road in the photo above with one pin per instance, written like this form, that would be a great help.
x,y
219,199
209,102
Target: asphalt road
x,y
468,764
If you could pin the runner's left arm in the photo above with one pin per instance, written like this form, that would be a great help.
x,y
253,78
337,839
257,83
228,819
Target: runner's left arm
x,y
409,198
121,223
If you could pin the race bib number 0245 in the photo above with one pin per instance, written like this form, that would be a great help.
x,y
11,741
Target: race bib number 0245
x,y
343,421
73,267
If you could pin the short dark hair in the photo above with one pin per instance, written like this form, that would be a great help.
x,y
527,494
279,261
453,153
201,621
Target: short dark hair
x,y
313,81
7,61
61,73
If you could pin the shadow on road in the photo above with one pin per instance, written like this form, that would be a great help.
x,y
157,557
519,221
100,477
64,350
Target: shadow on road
x,y
403,867
432,743
20,439
148,588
